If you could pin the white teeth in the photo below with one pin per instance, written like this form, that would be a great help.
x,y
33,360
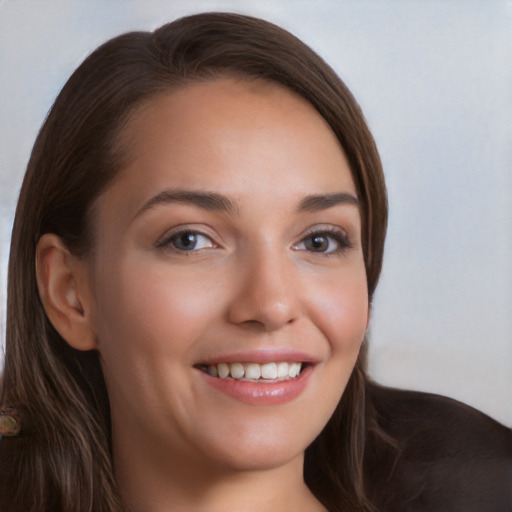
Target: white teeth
x,y
282,370
237,370
269,371
294,370
223,370
254,371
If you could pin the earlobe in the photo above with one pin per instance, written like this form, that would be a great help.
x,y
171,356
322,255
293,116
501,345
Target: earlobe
x,y
64,292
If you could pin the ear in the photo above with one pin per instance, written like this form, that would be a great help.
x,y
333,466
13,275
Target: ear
x,y
64,289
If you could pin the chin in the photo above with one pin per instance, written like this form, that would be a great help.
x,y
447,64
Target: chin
x,y
258,458
260,446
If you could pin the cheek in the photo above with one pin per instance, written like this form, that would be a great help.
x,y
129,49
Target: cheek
x,y
337,305
153,312
340,310
150,324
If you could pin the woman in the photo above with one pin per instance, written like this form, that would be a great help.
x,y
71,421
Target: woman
x,y
197,242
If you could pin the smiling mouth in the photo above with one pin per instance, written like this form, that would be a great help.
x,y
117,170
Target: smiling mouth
x,y
271,372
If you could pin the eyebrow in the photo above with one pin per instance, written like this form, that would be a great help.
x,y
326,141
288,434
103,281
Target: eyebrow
x,y
213,201
316,203
210,201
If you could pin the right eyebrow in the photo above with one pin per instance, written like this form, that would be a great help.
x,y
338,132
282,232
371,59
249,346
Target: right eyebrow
x,y
210,201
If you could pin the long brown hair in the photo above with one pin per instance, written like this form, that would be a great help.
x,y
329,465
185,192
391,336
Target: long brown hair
x,y
62,460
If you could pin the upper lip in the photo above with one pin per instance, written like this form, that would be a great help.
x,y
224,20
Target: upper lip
x,y
262,356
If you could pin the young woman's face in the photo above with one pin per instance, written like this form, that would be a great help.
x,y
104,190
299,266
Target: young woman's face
x,y
228,259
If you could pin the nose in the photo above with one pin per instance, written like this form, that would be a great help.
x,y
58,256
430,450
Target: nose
x,y
267,295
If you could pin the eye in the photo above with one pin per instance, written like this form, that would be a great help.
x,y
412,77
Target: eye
x,y
187,240
324,242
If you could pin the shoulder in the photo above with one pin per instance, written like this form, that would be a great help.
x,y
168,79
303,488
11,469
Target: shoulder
x,y
450,456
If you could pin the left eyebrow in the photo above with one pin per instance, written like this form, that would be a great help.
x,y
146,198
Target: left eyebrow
x,y
316,203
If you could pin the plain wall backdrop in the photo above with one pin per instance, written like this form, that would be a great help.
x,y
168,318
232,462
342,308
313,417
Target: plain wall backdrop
x,y
434,80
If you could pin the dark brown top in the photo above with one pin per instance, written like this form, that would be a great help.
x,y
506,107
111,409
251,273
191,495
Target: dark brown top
x,y
452,457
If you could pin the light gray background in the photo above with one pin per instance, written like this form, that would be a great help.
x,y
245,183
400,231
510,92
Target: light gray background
x,y
435,82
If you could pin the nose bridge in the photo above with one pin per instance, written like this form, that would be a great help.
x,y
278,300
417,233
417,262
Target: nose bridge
x,y
267,292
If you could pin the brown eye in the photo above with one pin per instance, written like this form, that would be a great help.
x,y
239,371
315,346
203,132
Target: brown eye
x,y
317,243
187,241
324,242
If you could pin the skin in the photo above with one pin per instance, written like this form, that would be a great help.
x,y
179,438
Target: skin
x,y
254,281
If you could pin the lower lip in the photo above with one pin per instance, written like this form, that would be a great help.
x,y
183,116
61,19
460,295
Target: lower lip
x,y
261,392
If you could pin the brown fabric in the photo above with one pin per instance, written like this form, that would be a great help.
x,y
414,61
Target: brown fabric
x,y
451,458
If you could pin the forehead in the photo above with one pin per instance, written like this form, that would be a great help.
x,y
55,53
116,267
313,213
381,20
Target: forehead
x,y
243,137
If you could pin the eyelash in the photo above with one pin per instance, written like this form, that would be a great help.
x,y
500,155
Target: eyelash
x,y
340,238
